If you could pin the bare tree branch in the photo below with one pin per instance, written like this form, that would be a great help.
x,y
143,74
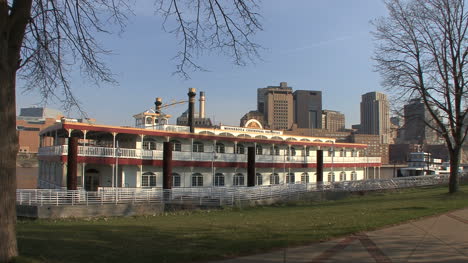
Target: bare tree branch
x,y
212,25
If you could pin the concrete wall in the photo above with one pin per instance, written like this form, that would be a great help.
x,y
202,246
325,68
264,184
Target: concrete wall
x,y
68,211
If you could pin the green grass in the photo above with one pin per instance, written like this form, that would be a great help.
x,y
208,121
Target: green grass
x,y
205,235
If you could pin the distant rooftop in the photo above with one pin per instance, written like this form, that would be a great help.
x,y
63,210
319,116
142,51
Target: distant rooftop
x,y
39,113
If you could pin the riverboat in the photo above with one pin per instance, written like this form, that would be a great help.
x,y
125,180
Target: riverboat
x,y
133,157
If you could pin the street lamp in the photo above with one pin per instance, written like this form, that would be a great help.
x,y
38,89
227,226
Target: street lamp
x,y
117,154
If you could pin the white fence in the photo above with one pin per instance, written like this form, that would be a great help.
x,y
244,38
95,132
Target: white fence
x,y
211,196
80,197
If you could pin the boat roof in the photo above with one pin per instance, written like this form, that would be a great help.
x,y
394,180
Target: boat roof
x,y
205,134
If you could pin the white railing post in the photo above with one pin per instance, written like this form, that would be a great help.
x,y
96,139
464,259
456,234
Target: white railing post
x,y
56,199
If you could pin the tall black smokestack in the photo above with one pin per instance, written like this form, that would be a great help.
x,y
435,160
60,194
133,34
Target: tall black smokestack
x,y
191,109
157,105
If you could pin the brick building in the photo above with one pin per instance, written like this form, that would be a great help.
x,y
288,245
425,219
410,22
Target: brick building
x,y
375,148
333,120
30,122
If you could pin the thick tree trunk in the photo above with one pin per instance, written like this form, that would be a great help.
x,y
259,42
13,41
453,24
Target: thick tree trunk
x,y
14,16
8,151
454,164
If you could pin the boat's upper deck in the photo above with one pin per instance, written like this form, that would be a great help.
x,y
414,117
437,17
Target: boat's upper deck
x,y
223,133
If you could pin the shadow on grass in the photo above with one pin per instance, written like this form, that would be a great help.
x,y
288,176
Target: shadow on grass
x,y
101,243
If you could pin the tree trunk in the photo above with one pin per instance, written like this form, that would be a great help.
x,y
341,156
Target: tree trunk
x,y
8,151
454,164
14,18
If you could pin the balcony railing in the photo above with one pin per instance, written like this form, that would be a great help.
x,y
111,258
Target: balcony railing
x,y
93,151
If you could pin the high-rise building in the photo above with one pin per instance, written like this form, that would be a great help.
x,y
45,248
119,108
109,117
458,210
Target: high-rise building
x,y
375,116
333,120
308,108
416,129
276,104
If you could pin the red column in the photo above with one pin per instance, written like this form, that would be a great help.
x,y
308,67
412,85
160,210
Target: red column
x,y
167,165
251,166
72,164
319,166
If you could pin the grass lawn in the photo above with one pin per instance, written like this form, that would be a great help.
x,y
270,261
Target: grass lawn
x,y
204,235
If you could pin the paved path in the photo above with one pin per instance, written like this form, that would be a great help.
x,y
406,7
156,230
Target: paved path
x,y
442,238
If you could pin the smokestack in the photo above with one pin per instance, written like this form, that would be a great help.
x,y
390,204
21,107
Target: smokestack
x,y
157,105
201,112
191,109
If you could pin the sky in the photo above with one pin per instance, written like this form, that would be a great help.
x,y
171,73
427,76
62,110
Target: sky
x,y
321,45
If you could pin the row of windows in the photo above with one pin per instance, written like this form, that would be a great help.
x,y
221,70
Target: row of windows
x,y
343,177
342,153
221,148
148,179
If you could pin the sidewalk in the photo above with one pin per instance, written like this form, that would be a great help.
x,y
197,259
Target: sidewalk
x,y
442,238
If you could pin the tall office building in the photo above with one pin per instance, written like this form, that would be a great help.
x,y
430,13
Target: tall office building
x,y
415,128
308,108
278,106
333,120
375,115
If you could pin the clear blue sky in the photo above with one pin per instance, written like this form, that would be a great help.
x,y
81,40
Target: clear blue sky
x,y
311,44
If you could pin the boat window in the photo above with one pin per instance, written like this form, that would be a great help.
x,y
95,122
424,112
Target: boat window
x,y
290,178
240,149
197,180
219,179
274,178
304,178
331,177
259,150
198,147
259,179
343,176
148,179
238,180
176,180
176,146
220,148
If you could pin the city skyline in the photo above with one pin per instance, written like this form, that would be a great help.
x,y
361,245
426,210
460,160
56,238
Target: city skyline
x,y
305,48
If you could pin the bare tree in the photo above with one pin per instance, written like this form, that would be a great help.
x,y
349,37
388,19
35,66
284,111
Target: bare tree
x,y
43,41
422,53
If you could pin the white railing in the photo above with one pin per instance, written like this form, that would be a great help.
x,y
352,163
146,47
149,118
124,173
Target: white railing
x,y
212,196
81,197
187,155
